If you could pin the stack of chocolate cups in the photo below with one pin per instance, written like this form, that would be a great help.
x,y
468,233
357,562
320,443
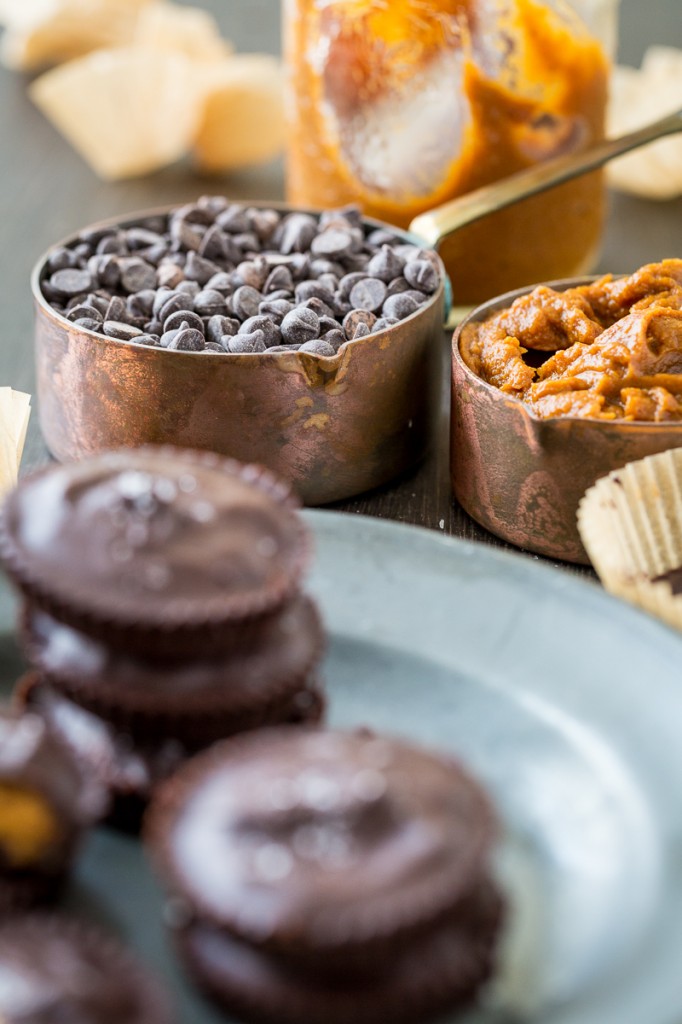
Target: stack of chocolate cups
x,y
162,609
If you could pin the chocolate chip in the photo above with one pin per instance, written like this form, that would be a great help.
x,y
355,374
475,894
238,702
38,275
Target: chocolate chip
x,y
136,275
284,348
243,343
380,237
141,238
247,242
355,317
383,323
154,327
419,297
61,259
270,331
187,340
219,327
89,324
71,281
399,306
253,272
348,282
98,302
117,310
335,338
245,302
199,269
233,220
79,311
295,233
142,303
211,346
422,275
279,279
121,331
313,289
321,266
275,309
327,324
151,340
184,318
114,244
332,243
169,274
351,213
330,281
369,293
386,264
214,245
193,213
318,347
105,271
398,285
300,325
222,283
361,331
319,307
210,303
263,222
191,288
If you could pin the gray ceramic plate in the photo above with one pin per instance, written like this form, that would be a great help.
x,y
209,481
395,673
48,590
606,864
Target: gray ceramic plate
x,y
565,702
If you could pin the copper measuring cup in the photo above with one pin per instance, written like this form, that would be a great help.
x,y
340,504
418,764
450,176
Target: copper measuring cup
x,y
334,426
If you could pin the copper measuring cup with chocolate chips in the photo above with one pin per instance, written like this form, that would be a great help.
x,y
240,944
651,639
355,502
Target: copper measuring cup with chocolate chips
x,y
308,343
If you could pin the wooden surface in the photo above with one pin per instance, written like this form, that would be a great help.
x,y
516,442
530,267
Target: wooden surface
x,y
47,192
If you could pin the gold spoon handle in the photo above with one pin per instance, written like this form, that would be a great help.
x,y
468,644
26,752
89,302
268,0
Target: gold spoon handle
x,y
435,225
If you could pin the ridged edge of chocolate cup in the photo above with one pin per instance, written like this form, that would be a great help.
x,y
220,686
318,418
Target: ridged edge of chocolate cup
x,y
188,716
409,915
128,803
210,629
155,1005
451,982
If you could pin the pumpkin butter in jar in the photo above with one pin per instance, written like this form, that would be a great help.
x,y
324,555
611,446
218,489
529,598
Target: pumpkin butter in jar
x,y
402,105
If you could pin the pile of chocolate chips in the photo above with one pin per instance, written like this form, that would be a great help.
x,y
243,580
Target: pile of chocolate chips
x,y
217,276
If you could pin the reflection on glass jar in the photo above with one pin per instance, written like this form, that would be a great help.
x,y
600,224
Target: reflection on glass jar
x,y
403,104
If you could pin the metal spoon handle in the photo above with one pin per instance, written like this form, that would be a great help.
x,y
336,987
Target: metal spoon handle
x,y
435,225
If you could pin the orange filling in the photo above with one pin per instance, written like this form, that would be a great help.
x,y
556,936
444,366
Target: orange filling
x,y
608,350
404,105
28,826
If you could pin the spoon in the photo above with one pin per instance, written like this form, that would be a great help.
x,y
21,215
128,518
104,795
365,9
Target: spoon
x,y
435,225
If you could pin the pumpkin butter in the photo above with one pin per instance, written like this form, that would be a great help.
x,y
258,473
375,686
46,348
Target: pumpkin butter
x,y
610,350
402,106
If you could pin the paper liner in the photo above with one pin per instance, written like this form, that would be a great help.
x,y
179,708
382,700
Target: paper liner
x,y
631,525
445,970
15,410
79,936
197,717
423,903
164,632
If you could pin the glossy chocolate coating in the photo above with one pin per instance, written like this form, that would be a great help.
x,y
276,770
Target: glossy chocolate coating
x,y
311,838
154,537
64,972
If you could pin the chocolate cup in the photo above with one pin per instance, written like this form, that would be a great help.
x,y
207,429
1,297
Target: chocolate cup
x,y
131,772
445,970
334,426
235,622
521,476
421,904
151,700
76,939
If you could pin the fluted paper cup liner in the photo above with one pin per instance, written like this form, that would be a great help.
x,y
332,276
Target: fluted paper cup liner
x,y
631,525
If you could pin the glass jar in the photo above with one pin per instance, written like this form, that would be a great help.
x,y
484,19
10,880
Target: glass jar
x,y
401,105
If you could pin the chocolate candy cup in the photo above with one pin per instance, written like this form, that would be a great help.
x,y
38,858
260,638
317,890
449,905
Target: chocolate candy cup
x,y
195,702
62,969
47,802
443,971
157,550
130,770
307,840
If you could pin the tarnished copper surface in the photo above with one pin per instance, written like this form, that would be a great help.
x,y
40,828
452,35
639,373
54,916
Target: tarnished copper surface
x,y
522,477
333,426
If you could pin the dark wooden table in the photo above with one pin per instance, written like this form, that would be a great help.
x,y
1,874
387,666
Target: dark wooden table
x,y
47,192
